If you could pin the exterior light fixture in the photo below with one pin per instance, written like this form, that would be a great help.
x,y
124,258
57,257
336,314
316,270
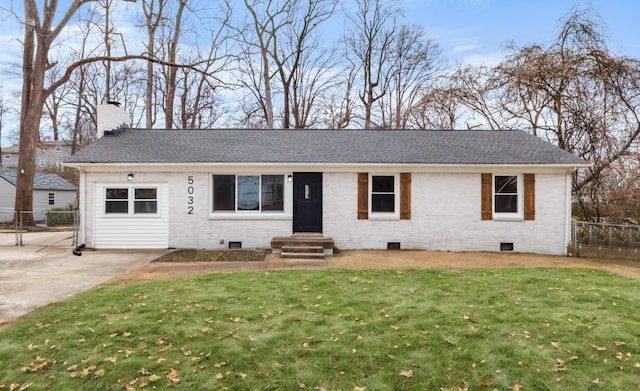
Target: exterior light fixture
x,y
130,177
289,178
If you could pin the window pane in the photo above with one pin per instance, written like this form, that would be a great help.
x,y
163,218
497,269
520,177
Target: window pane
x,y
248,197
117,194
273,192
117,201
145,207
116,207
506,203
145,194
224,192
506,184
382,184
382,203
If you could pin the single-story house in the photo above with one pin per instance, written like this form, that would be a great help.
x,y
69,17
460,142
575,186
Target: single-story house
x,y
365,189
50,191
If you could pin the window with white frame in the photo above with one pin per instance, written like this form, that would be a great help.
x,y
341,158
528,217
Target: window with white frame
x,y
7,156
58,149
248,193
131,200
384,194
507,195
145,201
42,163
52,198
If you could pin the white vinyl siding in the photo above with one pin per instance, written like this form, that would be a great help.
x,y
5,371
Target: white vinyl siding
x,y
131,230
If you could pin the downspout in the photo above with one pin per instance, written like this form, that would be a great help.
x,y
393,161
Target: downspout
x,y
81,205
567,219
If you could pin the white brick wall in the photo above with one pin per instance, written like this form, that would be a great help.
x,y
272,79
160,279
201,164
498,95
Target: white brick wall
x,y
445,215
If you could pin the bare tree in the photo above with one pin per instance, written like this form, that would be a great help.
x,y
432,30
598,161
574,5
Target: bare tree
x,y
417,61
438,108
338,102
172,52
153,17
39,36
370,45
299,61
577,95
266,18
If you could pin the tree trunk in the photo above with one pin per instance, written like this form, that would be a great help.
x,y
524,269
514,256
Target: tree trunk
x,y
267,90
171,79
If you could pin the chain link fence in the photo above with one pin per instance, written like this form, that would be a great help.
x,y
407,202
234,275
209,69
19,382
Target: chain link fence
x,y
52,228
606,240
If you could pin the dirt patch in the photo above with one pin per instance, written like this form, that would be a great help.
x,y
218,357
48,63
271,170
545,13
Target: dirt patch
x,y
405,259
212,256
433,259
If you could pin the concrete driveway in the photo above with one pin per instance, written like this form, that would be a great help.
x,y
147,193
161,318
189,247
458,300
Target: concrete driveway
x,y
35,275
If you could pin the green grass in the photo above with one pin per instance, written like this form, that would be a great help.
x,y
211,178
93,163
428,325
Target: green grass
x,y
509,329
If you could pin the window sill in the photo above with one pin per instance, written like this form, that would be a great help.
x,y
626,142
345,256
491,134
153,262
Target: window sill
x,y
249,216
499,217
384,217
136,216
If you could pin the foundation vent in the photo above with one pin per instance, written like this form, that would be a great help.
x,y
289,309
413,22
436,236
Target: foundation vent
x,y
393,245
506,246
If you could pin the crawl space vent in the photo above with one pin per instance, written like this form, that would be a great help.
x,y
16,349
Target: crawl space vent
x,y
506,246
235,245
393,245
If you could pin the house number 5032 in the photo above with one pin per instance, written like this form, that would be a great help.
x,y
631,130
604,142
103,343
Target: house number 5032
x,y
190,194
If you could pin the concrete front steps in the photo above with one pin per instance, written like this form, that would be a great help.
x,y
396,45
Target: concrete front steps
x,y
300,250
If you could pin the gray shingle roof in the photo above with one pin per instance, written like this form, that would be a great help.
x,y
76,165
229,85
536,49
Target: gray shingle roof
x,y
41,181
140,146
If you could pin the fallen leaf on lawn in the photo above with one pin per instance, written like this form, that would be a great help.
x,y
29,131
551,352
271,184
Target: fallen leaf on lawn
x,y
154,378
173,376
406,373
356,388
554,344
112,360
72,367
637,365
599,348
618,343
559,366
144,372
31,347
219,376
220,364
517,387
99,373
595,381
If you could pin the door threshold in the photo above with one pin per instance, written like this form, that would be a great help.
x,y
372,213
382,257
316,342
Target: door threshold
x,y
307,234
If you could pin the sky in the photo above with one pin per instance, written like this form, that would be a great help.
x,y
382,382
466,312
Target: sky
x,y
474,31
469,31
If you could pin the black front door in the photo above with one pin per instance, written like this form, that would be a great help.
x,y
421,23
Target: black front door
x,y
307,202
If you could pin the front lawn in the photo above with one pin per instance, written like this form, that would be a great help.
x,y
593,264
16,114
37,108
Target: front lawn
x,y
508,329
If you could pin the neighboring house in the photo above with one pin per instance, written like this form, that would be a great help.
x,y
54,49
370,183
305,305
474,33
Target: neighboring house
x,y
366,189
49,191
49,154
